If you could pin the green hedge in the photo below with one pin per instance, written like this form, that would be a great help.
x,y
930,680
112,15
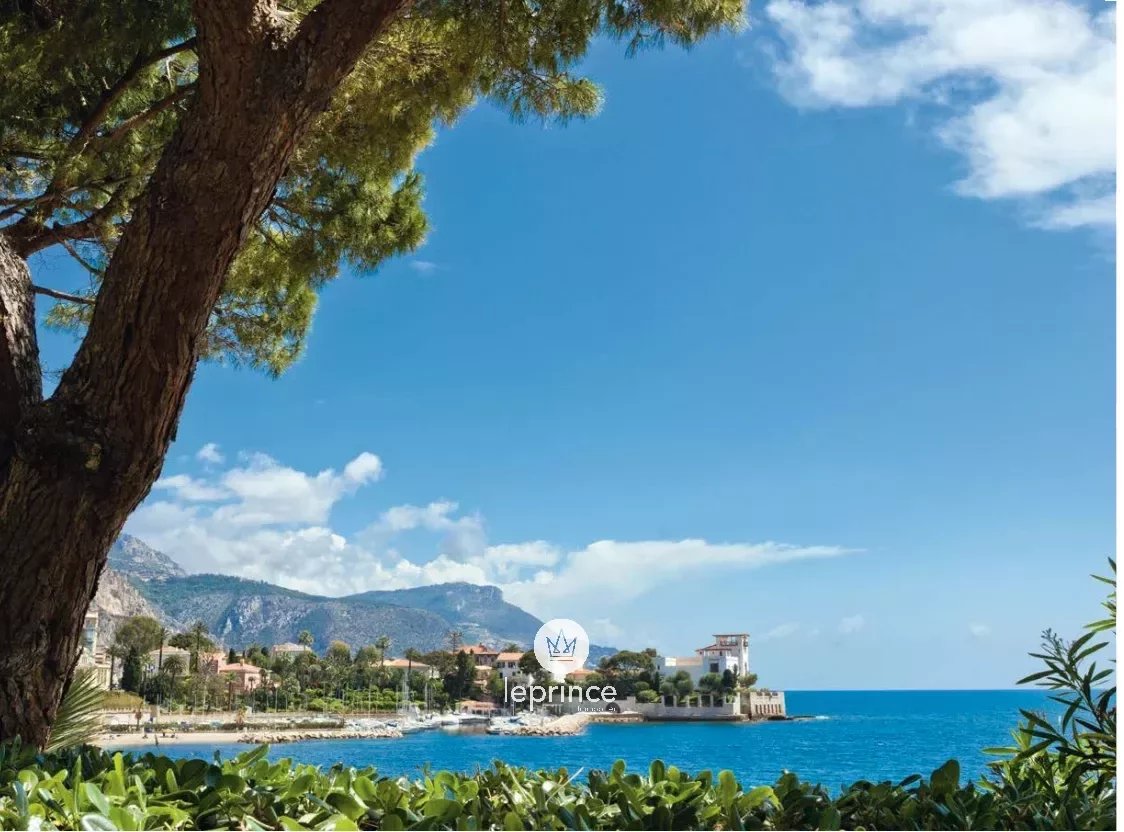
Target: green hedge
x,y
90,789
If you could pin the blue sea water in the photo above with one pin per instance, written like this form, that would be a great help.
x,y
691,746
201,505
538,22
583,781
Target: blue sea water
x,y
873,735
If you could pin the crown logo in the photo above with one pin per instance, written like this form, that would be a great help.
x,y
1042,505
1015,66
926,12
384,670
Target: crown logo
x,y
560,649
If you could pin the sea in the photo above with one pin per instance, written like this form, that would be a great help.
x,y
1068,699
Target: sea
x,y
849,736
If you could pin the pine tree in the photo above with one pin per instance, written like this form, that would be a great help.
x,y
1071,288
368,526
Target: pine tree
x,y
132,671
210,165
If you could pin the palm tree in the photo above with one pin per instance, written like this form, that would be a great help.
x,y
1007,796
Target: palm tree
x,y
305,638
116,651
78,720
172,668
160,656
198,633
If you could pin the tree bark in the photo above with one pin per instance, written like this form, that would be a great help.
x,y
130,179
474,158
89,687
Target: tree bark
x,y
73,467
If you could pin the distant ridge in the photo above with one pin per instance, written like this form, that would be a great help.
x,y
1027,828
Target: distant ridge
x,y
240,612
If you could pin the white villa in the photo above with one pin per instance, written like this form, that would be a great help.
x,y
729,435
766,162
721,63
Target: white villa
x,y
729,651
289,649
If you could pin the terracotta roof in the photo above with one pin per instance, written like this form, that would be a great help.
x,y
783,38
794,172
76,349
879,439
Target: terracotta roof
x,y
480,649
581,672
239,667
509,657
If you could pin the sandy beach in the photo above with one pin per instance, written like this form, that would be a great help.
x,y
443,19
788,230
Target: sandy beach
x,y
139,740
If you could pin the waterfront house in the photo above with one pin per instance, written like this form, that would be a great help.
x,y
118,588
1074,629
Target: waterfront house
x,y
508,664
289,650
728,651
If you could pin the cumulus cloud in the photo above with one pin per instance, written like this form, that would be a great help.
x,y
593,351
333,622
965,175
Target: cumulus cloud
x,y
1024,90
190,489
210,454
264,520
851,624
267,492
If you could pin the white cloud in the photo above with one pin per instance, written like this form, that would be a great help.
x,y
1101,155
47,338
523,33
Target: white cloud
x,y
210,454
1024,89
979,630
423,266
611,572
464,536
263,520
190,489
780,631
851,624
270,493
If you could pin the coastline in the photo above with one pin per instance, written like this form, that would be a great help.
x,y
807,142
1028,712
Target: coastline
x,y
155,741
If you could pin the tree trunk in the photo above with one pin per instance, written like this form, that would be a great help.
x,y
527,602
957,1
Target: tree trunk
x,y
74,466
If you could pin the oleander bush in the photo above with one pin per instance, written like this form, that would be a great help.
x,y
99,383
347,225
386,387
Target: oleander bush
x,y
1056,775
88,789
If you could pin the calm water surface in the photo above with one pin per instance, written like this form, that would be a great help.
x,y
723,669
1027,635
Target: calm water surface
x,y
857,735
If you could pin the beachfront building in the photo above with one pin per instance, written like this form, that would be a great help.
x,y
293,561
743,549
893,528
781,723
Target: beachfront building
x,y
289,650
245,678
728,651
88,656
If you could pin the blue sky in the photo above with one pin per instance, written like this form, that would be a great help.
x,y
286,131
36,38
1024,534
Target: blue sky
x,y
771,344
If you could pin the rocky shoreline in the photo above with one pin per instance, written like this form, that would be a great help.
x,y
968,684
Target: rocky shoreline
x,y
275,737
563,726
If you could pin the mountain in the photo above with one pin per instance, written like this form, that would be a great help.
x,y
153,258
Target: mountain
x,y
141,580
242,612
479,612
116,600
133,557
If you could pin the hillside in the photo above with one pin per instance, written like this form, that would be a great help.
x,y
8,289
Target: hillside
x,y
479,612
242,612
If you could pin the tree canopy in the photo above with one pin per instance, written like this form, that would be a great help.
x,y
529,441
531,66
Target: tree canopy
x,y
94,91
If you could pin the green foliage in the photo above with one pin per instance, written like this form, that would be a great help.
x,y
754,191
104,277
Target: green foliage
x,y
132,671
1072,763
140,632
95,790
78,720
91,99
460,681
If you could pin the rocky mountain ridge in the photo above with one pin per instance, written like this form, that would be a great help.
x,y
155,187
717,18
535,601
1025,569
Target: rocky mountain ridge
x,y
141,580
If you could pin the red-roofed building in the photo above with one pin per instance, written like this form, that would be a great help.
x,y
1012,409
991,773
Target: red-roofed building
x,y
483,655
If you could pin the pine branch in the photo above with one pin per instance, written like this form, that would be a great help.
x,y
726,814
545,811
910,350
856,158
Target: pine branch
x,y
114,93
55,293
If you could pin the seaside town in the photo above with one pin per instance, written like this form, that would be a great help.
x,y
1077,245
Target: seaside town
x,y
163,687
